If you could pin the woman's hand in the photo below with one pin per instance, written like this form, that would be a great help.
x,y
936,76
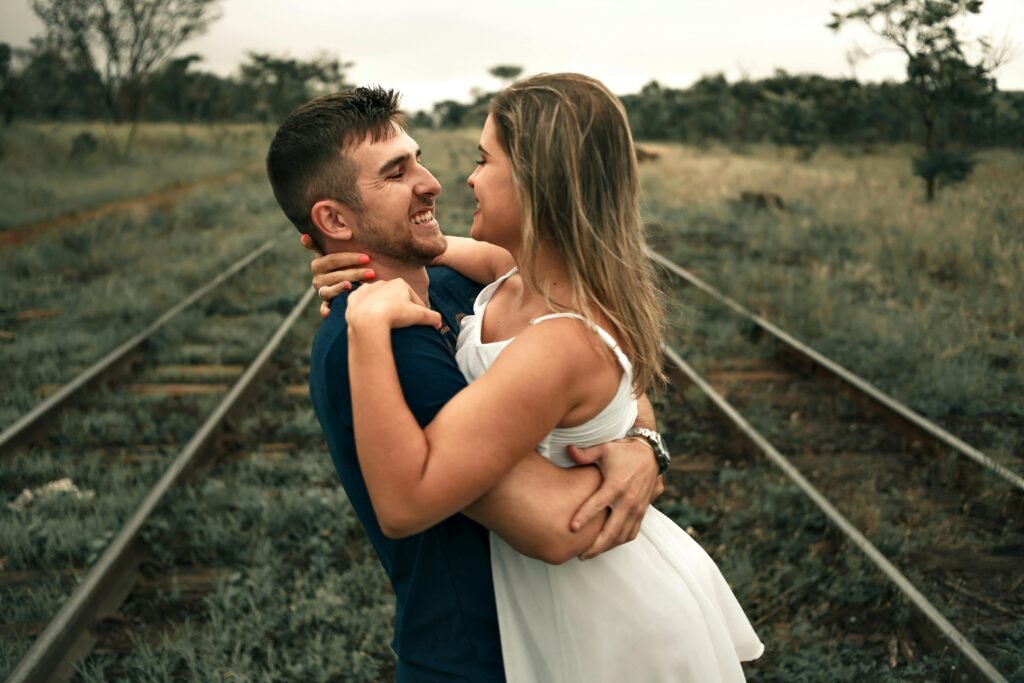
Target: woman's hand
x,y
388,304
335,273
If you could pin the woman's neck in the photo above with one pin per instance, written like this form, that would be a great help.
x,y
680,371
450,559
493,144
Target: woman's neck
x,y
552,276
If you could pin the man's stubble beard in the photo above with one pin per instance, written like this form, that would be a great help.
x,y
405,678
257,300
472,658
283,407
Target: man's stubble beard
x,y
400,244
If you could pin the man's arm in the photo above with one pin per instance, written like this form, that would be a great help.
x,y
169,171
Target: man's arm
x,y
533,505
554,514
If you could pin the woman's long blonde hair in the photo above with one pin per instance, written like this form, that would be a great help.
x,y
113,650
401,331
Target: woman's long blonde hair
x,y
575,173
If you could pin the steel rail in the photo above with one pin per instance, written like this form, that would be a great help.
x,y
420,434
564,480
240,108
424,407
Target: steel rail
x,y
115,569
975,658
24,424
858,384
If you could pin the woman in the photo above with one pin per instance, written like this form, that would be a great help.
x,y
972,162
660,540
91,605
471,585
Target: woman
x,y
556,351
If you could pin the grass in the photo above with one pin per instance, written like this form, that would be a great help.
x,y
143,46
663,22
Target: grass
x,y
920,299
106,280
40,179
307,599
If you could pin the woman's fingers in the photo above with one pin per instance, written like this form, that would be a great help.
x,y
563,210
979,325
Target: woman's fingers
x,y
348,276
392,303
344,261
327,293
338,260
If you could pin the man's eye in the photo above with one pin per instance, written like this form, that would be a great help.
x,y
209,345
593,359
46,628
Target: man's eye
x,y
396,175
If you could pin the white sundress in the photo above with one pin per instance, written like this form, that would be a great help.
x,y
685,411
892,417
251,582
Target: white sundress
x,y
654,610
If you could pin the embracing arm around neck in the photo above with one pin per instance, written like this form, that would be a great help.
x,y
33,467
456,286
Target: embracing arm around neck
x,y
481,262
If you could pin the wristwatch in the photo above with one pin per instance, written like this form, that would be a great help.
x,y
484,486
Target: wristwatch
x,y
657,443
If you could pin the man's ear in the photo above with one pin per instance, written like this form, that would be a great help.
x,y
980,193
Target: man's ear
x,y
332,218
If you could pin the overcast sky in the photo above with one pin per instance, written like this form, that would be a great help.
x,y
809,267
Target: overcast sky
x,y
441,49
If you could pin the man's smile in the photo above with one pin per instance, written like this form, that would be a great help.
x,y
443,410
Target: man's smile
x,y
423,217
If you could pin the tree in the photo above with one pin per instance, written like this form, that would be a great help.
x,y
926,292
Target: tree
x,y
52,86
943,78
7,83
280,84
169,92
507,73
124,41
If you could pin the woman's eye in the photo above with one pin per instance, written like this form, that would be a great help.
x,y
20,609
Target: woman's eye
x,y
479,162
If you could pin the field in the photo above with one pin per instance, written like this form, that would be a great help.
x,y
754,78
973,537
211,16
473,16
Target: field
x,y
923,300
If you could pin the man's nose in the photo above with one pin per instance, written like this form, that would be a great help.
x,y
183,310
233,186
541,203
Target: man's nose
x,y
428,185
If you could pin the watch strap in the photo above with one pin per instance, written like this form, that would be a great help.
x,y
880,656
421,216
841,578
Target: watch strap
x,y
657,444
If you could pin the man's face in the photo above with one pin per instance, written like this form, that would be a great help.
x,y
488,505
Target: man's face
x,y
397,216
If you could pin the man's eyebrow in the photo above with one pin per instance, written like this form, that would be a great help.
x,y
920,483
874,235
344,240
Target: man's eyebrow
x,y
391,164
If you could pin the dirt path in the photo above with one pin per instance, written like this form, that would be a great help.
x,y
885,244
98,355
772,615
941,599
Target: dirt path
x,y
160,199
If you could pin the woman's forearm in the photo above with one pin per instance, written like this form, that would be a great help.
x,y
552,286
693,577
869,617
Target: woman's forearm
x,y
481,262
417,476
390,445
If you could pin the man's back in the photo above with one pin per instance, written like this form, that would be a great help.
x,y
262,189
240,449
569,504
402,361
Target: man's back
x,y
445,618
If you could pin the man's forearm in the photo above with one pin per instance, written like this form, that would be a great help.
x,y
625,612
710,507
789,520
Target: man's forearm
x,y
533,505
645,414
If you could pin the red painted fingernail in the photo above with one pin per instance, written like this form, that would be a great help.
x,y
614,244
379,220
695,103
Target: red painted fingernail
x,y
368,274
346,285
324,314
364,259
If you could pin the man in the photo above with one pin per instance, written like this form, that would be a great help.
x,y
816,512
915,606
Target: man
x,y
348,176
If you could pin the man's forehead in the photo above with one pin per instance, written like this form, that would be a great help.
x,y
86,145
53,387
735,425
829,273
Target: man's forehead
x,y
370,155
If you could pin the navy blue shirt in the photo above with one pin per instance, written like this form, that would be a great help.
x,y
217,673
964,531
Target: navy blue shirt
x,y
445,616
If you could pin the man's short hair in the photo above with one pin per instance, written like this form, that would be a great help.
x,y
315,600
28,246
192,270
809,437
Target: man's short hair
x,y
307,160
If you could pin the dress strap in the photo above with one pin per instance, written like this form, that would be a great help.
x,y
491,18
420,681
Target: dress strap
x,y
608,339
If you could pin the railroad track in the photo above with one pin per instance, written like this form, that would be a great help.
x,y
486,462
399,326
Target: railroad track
x,y
36,420
113,603
112,437
245,537
860,455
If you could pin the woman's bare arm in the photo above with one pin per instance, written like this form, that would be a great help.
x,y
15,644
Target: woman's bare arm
x,y
418,477
481,262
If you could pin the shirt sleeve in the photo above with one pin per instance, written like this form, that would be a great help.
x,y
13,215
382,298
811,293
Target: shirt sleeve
x,y
427,371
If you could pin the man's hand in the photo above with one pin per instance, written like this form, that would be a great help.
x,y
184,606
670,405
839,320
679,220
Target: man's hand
x,y
630,484
335,273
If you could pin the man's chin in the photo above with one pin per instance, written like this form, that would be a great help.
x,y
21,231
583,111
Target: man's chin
x,y
428,251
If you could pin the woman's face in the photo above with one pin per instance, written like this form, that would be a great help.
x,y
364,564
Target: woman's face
x,y
498,217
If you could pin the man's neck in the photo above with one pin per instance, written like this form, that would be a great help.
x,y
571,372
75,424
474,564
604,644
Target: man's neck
x,y
416,276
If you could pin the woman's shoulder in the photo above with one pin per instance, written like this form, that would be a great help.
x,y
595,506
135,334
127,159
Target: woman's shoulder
x,y
568,339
